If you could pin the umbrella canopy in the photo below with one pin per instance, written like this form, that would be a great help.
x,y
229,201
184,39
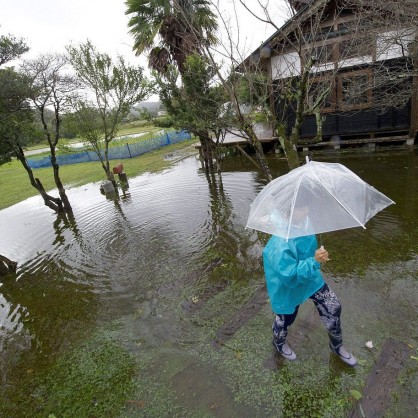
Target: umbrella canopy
x,y
314,198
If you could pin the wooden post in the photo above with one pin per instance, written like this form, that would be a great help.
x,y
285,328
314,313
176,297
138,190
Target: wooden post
x,y
7,265
381,381
413,127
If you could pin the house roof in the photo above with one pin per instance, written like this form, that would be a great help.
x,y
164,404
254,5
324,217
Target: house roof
x,y
305,9
303,12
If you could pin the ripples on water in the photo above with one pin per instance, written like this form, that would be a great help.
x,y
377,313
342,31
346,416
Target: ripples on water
x,y
161,234
162,228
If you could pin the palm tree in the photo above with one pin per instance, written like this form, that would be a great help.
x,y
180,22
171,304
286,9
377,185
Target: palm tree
x,y
170,30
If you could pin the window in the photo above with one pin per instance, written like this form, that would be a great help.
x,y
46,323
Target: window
x,y
391,88
355,90
347,26
323,53
356,47
322,91
316,33
325,30
355,25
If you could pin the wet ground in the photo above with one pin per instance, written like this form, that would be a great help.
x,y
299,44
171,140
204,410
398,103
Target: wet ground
x,y
154,304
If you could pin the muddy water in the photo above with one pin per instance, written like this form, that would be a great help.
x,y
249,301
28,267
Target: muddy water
x,y
169,271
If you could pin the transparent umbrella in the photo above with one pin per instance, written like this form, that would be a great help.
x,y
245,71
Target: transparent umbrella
x,y
315,198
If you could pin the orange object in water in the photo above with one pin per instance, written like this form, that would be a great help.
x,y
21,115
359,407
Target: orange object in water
x,y
118,169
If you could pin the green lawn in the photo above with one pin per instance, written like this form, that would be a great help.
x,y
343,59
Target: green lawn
x,y
133,129
128,128
15,185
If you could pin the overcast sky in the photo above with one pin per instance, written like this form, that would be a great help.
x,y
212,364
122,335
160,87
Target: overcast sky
x,y
50,25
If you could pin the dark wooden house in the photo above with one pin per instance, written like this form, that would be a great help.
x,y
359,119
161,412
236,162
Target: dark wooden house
x,y
367,69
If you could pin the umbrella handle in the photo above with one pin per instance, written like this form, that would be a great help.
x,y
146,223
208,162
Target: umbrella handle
x,y
320,242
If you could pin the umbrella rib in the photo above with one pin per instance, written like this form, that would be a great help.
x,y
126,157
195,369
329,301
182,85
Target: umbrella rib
x,y
292,206
266,195
339,202
361,181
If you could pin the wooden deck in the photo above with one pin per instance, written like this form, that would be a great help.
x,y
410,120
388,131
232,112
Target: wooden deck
x,y
236,140
371,142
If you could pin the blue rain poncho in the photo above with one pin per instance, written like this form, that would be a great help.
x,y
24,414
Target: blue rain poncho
x,y
292,273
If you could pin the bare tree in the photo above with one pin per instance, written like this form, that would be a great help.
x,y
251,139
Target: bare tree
x,y
17,126
291,62
113,88
229,77
52,87
303,55
389,29
335,56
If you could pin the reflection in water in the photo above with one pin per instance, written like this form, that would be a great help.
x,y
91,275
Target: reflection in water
x,y
163,255
64,223
14,337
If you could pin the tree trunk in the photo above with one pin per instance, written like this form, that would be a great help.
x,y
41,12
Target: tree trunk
x,y
259,152
217,148
205,152
208,150
64,199
7,265
300,113
290,149
52,202
64,203
289,144
106,164
319,124
413,127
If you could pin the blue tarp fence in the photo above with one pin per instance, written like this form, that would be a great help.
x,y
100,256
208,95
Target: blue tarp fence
x,y
115,153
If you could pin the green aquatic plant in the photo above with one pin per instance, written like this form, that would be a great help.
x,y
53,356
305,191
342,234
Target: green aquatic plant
x,y
308,387
94,379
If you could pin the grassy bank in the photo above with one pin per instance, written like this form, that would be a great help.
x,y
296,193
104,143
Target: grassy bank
x,y
134,128
147,133
128,128
15,185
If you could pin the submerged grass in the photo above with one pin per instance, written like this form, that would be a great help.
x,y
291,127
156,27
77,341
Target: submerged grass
x,y
93,379
15,185
312,386
308,387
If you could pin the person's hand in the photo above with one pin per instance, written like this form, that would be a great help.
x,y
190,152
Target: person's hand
x,y
321,255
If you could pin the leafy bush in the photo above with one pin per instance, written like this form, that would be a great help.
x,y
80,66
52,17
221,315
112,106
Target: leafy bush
x,y
165,122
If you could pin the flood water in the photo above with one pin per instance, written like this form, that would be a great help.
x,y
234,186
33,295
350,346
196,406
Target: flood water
x,y
169,273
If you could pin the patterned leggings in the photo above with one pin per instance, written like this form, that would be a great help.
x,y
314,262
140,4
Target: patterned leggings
x,y
329,309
